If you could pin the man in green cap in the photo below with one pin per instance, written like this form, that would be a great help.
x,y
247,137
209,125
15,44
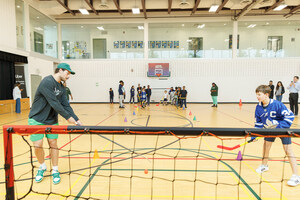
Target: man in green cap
x,y
49,101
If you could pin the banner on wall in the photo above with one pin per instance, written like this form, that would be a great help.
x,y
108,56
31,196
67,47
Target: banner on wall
x,y
20,78
158,70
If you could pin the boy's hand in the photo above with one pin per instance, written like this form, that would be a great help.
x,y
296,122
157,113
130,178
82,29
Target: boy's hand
x,y
271,125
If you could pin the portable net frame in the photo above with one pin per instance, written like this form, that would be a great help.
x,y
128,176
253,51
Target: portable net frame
x,y
182,149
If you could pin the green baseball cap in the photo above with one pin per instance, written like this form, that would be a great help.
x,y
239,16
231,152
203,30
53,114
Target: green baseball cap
x,y
66,67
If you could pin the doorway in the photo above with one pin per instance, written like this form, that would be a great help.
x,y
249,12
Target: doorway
x,y
99,48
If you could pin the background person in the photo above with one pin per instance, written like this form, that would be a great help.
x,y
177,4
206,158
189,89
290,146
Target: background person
x,y
294,88
111,96
214,94
17,96
121,94
148,92
68,92
272,89
279,91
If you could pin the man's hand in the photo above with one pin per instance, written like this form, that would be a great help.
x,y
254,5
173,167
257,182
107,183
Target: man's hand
x,y
271,124
78,123
72,121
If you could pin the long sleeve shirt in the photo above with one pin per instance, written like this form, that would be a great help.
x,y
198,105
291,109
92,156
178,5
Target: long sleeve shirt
x,y
49,101
276,112
17,93
111,93
294,89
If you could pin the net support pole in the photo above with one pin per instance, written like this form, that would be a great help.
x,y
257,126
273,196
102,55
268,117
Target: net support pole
x,y
8,165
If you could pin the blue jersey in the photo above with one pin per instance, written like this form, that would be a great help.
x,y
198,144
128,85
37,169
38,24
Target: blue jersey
x,y
143,96
276,112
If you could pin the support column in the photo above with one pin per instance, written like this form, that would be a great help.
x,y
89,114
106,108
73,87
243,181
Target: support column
x,y
146,30
59,42
234,39
27,27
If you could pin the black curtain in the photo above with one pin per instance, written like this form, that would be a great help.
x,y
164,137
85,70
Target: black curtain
x,y
7,73
5,56
7,79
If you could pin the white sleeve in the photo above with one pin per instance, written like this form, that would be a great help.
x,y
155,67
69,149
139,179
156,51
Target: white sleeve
x,y
15,93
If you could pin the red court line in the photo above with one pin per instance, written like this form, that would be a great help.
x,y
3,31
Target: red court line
x,y
82,134
141,158
296,143
108,117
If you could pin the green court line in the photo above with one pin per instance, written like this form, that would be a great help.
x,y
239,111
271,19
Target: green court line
x,y
96,171
139,149
191,150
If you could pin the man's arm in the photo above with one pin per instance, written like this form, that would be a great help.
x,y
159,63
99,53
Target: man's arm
x,y
47,90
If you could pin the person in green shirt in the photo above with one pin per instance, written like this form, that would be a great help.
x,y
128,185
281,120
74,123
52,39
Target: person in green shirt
x,y
50,100
214,94
68,92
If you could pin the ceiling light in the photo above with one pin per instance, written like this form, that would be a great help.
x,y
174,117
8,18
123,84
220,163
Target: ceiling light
x,y
100,28
213,8
141,27
136,10
37,17
267,23
201,26
182,24
82,26
251,26
280,7
18,6
84,11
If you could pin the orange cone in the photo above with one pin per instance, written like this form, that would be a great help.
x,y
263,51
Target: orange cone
x,y
240,104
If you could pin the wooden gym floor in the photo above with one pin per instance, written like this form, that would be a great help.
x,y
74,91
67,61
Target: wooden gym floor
x,y
112,167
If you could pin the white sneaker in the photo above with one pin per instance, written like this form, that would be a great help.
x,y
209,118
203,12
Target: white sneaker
x,y
262,168
294,181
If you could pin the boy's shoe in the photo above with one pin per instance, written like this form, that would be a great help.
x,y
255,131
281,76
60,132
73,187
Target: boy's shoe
x,y
294,181
56,177
262,168
40,175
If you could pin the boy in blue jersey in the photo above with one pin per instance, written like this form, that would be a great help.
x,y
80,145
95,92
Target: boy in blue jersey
x,y
143,97
270,113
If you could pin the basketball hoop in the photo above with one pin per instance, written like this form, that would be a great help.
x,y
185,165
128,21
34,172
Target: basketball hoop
x,y
158,74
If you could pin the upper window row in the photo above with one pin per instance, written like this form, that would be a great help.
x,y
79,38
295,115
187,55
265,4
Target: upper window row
x,y
172,40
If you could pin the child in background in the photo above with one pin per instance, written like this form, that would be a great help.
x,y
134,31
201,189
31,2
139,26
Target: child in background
x,y
176,96
111,96
165,97
143,97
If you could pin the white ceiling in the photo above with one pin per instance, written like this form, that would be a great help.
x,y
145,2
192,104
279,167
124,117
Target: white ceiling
x,y
107,9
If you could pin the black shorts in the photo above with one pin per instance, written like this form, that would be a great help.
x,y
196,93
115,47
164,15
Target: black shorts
x,y
284,140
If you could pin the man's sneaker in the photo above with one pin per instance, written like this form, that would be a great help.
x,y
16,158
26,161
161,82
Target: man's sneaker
x,y
40,175
294,181
262,168
56,177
